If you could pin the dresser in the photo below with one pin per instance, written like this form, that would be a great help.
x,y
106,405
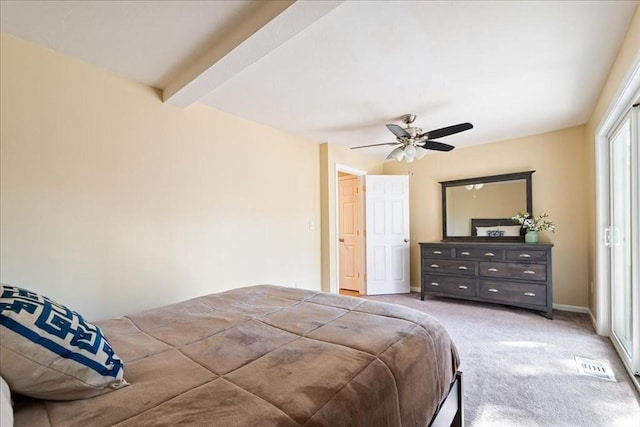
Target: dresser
x,y
517,274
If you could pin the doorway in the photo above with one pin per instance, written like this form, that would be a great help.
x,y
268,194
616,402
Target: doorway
x,y
350,229
382,253
618,224
357,252
619,238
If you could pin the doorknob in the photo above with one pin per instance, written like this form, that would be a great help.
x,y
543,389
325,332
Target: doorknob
x,y
406,240
341,240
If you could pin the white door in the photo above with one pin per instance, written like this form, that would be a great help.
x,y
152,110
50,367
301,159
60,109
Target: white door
x,y
387,234
349,232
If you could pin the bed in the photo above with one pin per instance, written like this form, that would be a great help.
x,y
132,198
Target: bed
x,y
271,356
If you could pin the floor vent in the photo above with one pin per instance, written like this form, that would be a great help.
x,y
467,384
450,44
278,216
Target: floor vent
x,y
595,368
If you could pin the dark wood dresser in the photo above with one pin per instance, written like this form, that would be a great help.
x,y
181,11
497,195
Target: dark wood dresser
x,y
517,274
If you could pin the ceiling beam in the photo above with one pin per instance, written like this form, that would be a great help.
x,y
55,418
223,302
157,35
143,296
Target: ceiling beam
x,y
272,25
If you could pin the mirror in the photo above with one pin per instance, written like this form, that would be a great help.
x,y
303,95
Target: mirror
x,y
481,208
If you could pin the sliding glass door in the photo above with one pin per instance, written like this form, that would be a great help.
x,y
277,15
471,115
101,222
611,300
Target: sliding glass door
x,y
622,239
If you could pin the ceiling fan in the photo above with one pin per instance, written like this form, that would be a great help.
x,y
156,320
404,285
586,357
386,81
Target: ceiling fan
x,y
413,143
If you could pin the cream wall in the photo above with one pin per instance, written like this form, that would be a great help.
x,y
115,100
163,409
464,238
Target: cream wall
x,y
332,156
558,188
112,201
628,55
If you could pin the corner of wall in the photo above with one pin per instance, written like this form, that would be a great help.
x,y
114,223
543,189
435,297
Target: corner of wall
x,y
324,218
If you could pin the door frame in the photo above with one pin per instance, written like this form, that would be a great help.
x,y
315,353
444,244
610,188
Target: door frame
x,y
629,90
359,173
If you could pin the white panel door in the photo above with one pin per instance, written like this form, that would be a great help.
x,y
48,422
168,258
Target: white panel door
x,y
387,234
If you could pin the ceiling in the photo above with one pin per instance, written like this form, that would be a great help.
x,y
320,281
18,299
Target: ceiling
x,y
338,71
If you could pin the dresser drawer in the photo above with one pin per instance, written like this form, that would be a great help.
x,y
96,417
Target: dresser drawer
x,y
512,292
446,266
450,285
479,253
537,272
526,255
436,252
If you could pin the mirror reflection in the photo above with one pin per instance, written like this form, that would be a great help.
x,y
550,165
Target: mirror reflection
x,y
483,201
475,208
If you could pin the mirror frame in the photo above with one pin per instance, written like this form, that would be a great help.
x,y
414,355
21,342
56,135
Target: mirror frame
x,y
484,180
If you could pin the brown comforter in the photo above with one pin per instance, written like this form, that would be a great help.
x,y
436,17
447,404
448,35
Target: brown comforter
x,y
268,356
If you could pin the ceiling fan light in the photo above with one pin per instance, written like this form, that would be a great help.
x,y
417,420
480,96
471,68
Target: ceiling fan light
x,y
410,151
397,154
420,153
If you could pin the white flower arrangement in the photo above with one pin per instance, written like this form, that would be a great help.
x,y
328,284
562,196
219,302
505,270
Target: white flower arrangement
x,y
540,223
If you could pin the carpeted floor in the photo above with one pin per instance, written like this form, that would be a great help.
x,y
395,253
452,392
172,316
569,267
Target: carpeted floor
x,y
520,370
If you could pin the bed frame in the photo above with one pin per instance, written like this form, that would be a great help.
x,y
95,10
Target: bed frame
x,y
450,413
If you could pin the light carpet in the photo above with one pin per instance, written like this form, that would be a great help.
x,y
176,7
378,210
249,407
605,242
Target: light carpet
x,y
520,368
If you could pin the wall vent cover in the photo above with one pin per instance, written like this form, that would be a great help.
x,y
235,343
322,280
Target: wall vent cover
x,y
595,368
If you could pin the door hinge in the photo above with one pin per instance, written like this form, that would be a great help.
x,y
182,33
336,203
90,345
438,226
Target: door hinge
x,y
364,188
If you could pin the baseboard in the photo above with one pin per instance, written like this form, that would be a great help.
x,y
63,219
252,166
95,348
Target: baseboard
x,y
561,307
573,308
594,321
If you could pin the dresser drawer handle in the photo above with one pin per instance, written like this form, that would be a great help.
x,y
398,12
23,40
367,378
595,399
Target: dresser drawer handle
x,y
435,266
463,287
437,252
494,290
529,272
465,253
492,270
529,294
435,284
524,256
462,267
489,254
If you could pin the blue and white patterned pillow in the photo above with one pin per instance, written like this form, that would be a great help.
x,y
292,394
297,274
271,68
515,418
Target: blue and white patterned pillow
x,y
48,351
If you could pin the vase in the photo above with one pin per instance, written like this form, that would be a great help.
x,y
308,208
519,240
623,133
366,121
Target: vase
x,y
531,237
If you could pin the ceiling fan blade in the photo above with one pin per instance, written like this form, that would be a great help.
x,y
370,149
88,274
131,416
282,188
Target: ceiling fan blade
x,y
449,130
375,145
437,146
398,131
